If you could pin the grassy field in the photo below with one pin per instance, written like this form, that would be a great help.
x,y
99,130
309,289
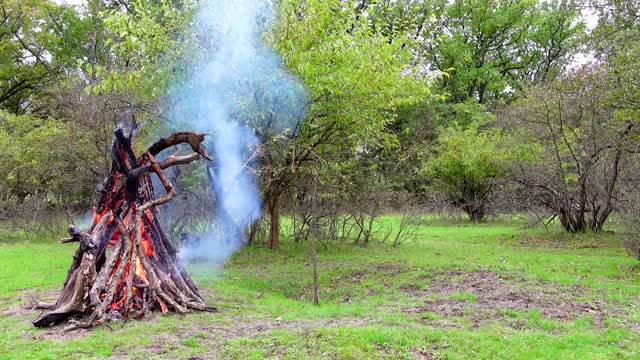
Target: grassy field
x,y
484,291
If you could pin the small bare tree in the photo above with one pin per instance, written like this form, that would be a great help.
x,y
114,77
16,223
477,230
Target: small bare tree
x,y
576,137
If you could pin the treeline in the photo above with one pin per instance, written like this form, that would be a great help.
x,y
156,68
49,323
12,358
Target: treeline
x,y
475,106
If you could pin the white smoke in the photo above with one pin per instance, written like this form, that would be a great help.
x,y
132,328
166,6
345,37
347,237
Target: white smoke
x,y
242,85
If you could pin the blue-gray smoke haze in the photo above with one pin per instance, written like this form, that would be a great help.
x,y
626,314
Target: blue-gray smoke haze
x,y
242,86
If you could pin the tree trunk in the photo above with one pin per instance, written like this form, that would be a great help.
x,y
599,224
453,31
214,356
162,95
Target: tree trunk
x,y
600,215
274,222
369,231
476,213
599,218
572,220
314,263
313,231
253,231
481,90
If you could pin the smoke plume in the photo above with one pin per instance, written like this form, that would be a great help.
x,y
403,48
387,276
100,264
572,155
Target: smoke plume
x,y
240,87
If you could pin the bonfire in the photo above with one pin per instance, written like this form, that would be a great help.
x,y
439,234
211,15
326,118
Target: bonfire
x,y
126,264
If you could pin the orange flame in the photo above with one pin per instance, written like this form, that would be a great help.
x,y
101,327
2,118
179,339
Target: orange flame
x,y
141,272
97,217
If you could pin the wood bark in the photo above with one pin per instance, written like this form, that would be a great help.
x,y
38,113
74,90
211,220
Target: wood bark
x,y
274,220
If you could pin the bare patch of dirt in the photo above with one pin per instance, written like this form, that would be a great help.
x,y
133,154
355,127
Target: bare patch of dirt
x,y
21,310
24,302
390,268
163,343
422,354
357,276
166,345
251,326
564,243
22,307
56,333
484,295
354,276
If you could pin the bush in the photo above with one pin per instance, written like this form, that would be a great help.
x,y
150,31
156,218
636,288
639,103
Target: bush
x,y
468,167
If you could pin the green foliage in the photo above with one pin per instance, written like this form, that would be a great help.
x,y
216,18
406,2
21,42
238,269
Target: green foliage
x,y
36,158
153,47
38,41
462,114
487,49
616,40
355,77
468,165
470,156
355,80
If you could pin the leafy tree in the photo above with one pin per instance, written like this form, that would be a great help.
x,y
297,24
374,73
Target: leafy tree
x,y
38,41
486,48
351,102
468,166
153,46
489,47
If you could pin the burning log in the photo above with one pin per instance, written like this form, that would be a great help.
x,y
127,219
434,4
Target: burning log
x,y
126,265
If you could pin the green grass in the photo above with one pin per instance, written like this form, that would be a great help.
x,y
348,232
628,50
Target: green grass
x,y
375,301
